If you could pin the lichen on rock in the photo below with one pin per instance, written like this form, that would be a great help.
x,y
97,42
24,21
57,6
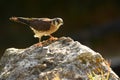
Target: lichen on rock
x,y
63,59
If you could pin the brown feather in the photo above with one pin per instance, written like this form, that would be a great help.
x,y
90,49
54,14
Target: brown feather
x,y
40,25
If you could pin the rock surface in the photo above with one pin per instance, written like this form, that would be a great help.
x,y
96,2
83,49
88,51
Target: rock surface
x,y
63,59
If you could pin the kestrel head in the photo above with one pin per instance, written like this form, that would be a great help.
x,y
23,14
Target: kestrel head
x,y
57,22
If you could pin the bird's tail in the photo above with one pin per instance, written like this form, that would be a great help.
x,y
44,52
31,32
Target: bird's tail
x,y
21,20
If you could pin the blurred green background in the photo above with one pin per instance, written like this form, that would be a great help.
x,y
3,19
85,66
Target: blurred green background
x,y
95,23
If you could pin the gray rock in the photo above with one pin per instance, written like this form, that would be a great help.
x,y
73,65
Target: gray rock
x,y
63,59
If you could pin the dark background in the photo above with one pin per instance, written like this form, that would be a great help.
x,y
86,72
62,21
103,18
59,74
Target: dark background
x,y
94,23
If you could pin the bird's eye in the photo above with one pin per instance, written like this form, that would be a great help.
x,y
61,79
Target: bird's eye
x,y
54,22
58,21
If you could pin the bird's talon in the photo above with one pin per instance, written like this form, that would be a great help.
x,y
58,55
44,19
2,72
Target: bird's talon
x,y
53,38
39,44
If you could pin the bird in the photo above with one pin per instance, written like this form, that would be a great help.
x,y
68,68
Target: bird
x,y
40,26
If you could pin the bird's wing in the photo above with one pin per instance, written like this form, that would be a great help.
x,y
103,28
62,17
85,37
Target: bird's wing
x,y
40,24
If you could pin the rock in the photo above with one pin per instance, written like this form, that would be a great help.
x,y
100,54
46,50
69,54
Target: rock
x,y
63,59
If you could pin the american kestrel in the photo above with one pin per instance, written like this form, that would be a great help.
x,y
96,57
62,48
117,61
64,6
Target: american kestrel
x,y
40,26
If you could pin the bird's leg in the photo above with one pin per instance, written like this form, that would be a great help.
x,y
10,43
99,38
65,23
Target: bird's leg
x,y
39,39
40,43
53,38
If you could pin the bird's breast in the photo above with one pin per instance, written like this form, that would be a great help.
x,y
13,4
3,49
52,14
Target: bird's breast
x,y
52,29
46,32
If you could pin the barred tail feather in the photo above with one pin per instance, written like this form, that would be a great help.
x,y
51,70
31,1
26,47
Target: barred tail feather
x,y
20,19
